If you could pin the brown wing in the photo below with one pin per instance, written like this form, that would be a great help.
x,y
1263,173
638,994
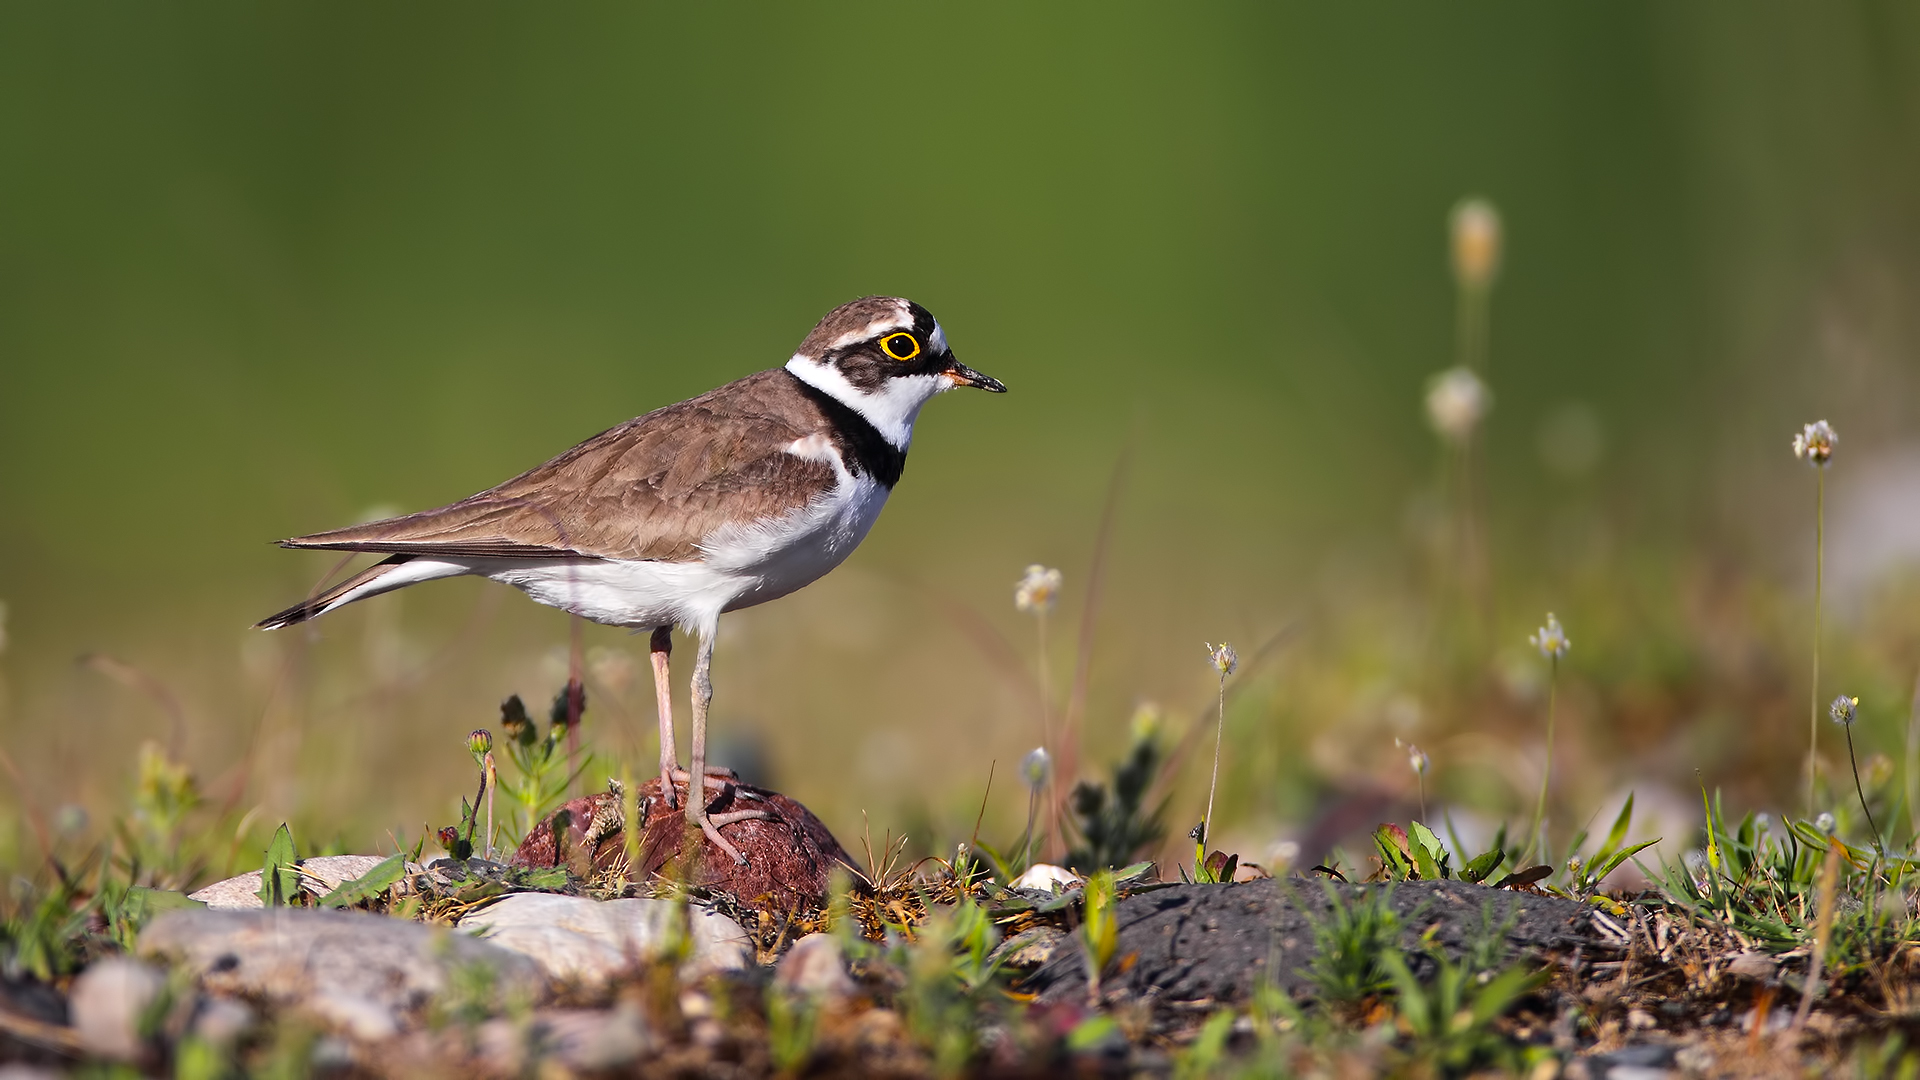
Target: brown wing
x,y
652,488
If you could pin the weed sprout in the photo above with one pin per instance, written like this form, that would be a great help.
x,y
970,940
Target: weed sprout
x,y
1552,642
1225,661
1844,711
1814,445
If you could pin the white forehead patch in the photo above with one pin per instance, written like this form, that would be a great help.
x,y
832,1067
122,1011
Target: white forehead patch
x,y
901,319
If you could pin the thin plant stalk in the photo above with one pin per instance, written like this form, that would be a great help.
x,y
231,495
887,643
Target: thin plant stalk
x,y
1421,779
1026,841
1546,774
1046,737
1859,790
1813,689
492,781
1219,735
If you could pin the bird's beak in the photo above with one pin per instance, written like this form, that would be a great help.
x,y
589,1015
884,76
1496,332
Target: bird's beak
x,y
962,375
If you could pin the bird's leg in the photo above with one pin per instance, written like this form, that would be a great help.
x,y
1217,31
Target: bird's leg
x,y
702,696
662,650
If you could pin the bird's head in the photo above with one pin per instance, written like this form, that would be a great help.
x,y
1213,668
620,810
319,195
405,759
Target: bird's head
x,y
883,357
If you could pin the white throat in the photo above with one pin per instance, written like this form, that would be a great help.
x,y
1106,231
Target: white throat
x,y
891,408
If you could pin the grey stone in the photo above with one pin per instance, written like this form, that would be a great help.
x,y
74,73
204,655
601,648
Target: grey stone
x,y
319,876
592,941
319,961
222,1021
815,966
108,1003
583,1040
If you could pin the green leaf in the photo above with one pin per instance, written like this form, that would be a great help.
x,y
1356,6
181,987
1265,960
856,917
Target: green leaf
x,y
1618,834
1392,842
1427,851
279,876
368,885
1504,990
1482,866
1619,857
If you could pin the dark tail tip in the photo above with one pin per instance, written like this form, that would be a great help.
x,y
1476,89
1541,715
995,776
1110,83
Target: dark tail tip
x,y
298,613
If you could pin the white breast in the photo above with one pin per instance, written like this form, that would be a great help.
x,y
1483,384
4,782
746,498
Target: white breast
x,y
742,565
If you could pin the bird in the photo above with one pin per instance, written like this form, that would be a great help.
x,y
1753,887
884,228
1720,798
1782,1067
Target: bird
x,y
730,499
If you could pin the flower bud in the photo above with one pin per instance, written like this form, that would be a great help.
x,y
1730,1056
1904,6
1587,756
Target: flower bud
x,y
514,720
480,742
1035,767
1475,228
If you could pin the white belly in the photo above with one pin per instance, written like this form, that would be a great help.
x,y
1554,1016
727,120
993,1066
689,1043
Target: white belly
x,y
742,566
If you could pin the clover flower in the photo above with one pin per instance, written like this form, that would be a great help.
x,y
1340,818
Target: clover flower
x,y
1457,400
1038,590
1815,443
1843,710
1550,639
1223,658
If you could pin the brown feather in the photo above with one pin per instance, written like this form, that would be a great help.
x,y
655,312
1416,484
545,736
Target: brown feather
x,y
653,488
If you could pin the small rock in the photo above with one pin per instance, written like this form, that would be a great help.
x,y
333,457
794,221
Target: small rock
x,y
1696,1060
592,941
592,1040
240,893
1641,1019
1031,947
298,958
1753,964
108,1004
1045,877
222,1021
815,966
360,1018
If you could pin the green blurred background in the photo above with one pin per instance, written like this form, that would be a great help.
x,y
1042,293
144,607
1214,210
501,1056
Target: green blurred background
x,y
269,269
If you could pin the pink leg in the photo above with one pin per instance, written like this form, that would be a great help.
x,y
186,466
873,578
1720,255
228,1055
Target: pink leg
x,y
662,650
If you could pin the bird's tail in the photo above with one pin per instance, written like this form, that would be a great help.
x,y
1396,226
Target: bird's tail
x,y
385,576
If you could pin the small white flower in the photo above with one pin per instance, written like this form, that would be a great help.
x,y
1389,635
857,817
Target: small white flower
x,y
1824,823
1815,443
1844,709
1417,760
1038,590
1223,658
1550,639
1035,767
1457,400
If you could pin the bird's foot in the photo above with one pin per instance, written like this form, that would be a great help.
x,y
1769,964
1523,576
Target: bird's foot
x,y
712,828
717,776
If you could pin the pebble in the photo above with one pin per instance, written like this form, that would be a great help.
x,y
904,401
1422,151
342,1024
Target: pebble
x,y
243,892
357,972
107,1004
592,941
815,966
1046,877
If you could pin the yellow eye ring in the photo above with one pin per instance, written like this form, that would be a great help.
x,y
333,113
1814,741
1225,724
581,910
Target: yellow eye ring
x,y
893,346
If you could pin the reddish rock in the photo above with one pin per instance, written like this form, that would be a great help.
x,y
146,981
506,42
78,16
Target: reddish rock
x,y
790,856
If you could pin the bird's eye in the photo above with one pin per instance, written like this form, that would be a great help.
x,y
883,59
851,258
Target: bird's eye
x,y
901,346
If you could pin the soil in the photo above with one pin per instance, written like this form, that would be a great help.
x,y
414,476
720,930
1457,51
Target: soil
x,y
1217,943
